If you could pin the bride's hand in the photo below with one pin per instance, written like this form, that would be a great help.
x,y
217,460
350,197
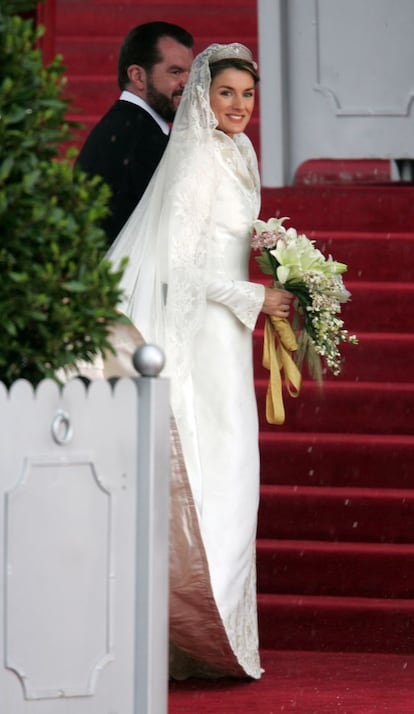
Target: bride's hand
x,y
277,302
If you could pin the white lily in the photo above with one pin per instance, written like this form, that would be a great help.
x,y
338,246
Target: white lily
x,y
282,273
272,225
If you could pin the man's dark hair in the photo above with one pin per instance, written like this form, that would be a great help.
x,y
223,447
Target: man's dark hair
x,y
141,47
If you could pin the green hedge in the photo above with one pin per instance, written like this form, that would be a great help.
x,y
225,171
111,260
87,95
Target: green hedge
x,y
58,296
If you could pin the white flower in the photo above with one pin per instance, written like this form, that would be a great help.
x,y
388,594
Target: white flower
x,y
282,273
317,284
272,225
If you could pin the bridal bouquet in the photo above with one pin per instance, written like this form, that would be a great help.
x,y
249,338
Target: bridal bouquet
x,y
316,282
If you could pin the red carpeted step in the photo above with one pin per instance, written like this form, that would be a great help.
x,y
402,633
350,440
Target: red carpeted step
x,y
345,407
343,208
369,256
360,362
348,171
379,307
209,22
338,569
102,50
306,683
338,460
338,624
336,514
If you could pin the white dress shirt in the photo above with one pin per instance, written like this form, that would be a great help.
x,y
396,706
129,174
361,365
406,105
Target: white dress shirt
x,y
127,96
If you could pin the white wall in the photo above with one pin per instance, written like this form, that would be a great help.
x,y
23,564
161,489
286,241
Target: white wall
x,y
337,81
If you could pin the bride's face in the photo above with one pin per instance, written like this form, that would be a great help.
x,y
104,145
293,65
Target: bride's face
x,y
232,95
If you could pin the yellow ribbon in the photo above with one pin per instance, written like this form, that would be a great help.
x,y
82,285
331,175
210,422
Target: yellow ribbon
x,y
275,359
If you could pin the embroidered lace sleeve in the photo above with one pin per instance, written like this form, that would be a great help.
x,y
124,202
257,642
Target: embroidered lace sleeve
x,y
243,298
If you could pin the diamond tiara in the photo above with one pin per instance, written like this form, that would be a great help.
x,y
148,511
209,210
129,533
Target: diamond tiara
x,y
233,51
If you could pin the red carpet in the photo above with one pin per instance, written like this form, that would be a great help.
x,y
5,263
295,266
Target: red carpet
x,y
336,527
307,683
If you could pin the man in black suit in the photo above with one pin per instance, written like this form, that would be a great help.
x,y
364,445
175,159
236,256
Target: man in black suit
x,y
126,145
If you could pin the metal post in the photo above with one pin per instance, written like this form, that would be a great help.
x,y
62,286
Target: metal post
x,y
153,487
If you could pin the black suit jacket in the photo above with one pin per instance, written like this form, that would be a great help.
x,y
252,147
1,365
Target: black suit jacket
x,y
124,148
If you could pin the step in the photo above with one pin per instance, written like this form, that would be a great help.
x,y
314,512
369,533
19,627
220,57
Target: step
x,y
294,622
102,49
334,171
344,407
370,256
215,22
335,569
379,307
366,515
358,365
342,208
91,96
374,307
337,460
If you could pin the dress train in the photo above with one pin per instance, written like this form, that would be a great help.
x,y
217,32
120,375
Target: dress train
x,y
200,644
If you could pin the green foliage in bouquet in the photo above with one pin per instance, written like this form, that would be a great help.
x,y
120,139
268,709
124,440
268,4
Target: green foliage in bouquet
x,y
57,296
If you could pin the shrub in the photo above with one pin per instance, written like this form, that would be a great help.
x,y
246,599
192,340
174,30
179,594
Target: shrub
x,y
58,295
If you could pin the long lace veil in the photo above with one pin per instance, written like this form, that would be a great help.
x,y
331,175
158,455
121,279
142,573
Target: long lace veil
x,y
165,238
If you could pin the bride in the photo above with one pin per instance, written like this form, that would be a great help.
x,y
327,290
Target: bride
x,y
186,289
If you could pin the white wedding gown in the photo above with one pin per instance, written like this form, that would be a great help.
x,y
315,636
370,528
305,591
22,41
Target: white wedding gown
x,y
218,423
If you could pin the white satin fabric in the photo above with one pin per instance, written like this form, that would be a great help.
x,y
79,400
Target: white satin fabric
x,y
217,419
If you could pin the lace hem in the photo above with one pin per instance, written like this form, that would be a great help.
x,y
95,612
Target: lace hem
x,y
244,640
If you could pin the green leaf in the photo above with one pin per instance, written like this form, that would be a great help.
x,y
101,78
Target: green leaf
x,y
265,265
6,167
74,286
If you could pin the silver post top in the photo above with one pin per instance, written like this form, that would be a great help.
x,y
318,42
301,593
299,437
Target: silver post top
x,y
148,360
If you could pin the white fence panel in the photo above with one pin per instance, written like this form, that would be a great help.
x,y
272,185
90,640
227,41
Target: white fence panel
x,y
83,548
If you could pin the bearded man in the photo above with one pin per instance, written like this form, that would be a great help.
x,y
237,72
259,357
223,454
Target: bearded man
x,y
127,144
